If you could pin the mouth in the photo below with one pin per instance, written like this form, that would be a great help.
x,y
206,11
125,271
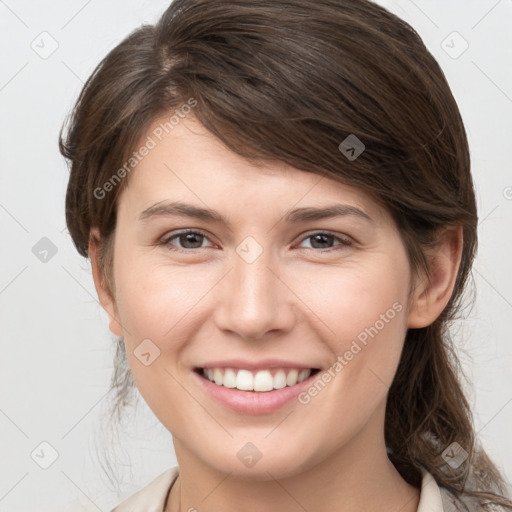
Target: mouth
x,y
256,381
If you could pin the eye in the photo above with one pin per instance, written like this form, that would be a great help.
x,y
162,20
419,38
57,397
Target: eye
x,y
189,238
321,239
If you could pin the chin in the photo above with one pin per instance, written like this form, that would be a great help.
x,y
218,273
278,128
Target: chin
x,y
248,464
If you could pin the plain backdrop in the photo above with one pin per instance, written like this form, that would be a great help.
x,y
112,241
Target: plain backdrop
x,y
56,349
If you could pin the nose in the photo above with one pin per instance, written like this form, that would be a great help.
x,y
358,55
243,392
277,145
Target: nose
x,y
253,300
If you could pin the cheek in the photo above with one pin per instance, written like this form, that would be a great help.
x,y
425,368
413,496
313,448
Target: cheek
x,y
156,300
367,313
160,308
352,303
363,314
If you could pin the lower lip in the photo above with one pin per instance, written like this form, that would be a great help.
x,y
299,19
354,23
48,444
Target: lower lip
x,y
253,402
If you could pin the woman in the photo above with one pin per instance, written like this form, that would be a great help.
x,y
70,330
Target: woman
x,y
277,202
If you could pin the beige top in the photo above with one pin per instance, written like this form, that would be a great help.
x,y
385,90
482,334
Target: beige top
x,y
152,497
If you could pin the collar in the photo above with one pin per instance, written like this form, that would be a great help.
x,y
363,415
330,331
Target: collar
x,y
430,496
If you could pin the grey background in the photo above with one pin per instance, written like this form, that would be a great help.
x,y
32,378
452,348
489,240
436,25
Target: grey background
x,y
56,349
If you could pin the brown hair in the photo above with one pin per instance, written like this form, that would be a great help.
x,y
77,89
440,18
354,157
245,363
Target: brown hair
x,y
289,80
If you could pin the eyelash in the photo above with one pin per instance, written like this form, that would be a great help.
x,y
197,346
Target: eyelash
x,y
344,242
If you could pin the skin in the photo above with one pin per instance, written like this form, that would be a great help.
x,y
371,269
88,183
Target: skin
x,y
296,301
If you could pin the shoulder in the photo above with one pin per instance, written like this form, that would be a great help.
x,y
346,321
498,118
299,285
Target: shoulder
x,y
435,498
451,503
152,497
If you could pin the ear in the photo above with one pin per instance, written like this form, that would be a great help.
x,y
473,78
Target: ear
x,y
432,295
104,294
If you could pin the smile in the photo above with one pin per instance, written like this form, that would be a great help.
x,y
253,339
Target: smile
x,y
257,391
259,381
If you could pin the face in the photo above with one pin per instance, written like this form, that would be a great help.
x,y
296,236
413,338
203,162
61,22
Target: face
x,y
258,292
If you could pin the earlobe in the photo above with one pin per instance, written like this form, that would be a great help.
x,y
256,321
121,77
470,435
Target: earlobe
x,y
104,293
432,295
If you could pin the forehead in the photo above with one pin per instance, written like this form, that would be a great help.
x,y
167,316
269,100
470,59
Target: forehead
x,y
187,162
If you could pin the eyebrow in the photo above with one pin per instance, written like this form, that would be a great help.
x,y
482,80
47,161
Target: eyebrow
x,y
180,209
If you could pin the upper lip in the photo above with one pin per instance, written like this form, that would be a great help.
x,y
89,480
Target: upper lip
x,y
263,364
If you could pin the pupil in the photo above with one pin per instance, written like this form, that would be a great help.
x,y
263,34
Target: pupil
x,y
189,238
324,237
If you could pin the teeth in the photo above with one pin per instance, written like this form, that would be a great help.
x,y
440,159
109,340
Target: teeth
x,y
262,380
303,375
229,379
217,377
244,380
292,377
280,379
